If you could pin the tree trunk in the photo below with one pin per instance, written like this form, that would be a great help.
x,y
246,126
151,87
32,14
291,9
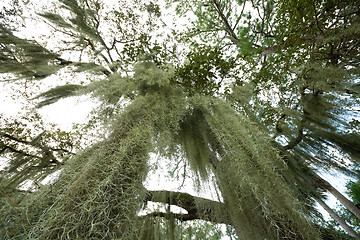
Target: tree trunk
x,y
339,196
338,219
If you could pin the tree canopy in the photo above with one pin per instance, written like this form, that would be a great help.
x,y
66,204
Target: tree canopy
x,y
252,97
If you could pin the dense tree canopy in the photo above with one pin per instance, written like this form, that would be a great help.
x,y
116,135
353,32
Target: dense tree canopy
x,y
252,97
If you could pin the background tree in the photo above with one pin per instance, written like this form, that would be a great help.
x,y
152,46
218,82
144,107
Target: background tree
x,y
348,216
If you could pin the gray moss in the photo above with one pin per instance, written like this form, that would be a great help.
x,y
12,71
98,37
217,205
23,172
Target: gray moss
x,y
100,192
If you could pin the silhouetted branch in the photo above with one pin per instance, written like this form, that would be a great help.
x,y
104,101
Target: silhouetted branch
x,y
196,207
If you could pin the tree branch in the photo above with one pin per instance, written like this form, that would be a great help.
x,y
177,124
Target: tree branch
x,y
294,142
181,217
228,28
16,207
338,219
18,152
47,151
197,208
188,202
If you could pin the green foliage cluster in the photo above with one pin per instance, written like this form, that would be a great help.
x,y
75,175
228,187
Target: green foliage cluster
x,y
205,71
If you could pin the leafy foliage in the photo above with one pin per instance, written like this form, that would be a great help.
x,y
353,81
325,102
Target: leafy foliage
x,y
205,71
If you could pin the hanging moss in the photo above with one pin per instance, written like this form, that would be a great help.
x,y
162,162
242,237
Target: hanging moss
x,y
103,198
193,137
99,197
259,201
100,191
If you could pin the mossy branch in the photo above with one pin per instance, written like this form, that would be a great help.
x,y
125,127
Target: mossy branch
x,y
214,212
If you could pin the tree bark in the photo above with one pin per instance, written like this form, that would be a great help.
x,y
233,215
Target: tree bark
x,y
338,219
214,211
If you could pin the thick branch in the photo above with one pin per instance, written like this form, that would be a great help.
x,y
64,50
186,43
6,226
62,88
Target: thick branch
x,y
34,143
18,152
188,202
178,216
46,151
197,208
300,135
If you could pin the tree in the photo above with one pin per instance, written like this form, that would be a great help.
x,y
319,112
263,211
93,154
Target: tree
x,y
204,106
348,216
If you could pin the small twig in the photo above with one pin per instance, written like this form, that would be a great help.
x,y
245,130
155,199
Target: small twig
x,y
316,19
12,201
184,177
240,17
